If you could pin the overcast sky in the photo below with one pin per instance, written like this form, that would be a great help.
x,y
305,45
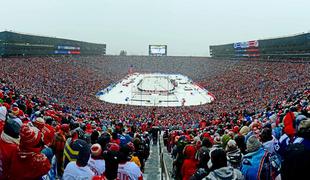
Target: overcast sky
x,y
188,27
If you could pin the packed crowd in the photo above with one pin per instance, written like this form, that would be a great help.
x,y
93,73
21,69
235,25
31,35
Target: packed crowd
x,y
51,120
274,144
42,140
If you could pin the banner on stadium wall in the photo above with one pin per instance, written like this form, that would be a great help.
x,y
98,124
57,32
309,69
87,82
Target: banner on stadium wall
x,y
68,48
247,44
66,52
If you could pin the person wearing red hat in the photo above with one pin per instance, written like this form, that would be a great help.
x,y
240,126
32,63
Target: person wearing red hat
x,y
235,129
288,122
15,111
111,157
89,129
96,161
39,123
189,166
28,162
59,145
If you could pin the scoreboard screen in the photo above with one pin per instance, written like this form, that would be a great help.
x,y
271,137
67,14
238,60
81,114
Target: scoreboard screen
x,y
158,50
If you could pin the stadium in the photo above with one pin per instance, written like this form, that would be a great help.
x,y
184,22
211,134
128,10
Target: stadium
x,y
72,110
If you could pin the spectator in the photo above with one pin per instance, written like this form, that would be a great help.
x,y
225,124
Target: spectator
x,y
203,159
79,169
219,169
127,169
296,157
255,163
234,154
59,145
268,140
9,142
28,162
112,159
189,166
96,162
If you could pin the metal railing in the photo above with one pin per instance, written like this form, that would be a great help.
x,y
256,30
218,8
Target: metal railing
x,y
163,166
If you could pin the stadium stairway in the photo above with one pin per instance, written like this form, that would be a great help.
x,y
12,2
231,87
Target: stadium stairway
x,y
154,166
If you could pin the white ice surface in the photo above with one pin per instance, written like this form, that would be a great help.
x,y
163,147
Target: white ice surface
x,y
126,91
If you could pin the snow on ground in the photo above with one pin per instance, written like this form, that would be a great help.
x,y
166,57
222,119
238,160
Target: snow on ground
x,y
156,90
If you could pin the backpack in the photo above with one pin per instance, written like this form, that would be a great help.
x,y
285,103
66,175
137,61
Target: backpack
x,y
260,165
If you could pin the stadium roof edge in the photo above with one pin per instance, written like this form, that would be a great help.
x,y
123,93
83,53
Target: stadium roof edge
x,y
278,37
43,36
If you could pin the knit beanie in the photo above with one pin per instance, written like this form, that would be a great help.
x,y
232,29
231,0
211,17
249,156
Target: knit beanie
x,y
96,150
15,111
189,151
253,144
231,145
84,152
39,123
217,140
244,130
29,136
12,127
225,139
288,122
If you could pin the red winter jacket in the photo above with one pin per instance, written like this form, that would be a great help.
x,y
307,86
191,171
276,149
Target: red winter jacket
x,y
189,166
288,122
7,151
29,165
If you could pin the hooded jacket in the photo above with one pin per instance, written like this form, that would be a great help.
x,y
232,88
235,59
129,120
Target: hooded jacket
x,y
225,173
189,166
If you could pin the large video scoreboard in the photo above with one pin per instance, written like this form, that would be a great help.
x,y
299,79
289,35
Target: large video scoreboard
x,y
247,49
158,50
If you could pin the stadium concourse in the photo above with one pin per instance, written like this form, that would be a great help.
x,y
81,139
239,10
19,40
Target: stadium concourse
x,y
53,126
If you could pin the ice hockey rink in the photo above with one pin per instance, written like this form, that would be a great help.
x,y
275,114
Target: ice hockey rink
x,y
156,89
